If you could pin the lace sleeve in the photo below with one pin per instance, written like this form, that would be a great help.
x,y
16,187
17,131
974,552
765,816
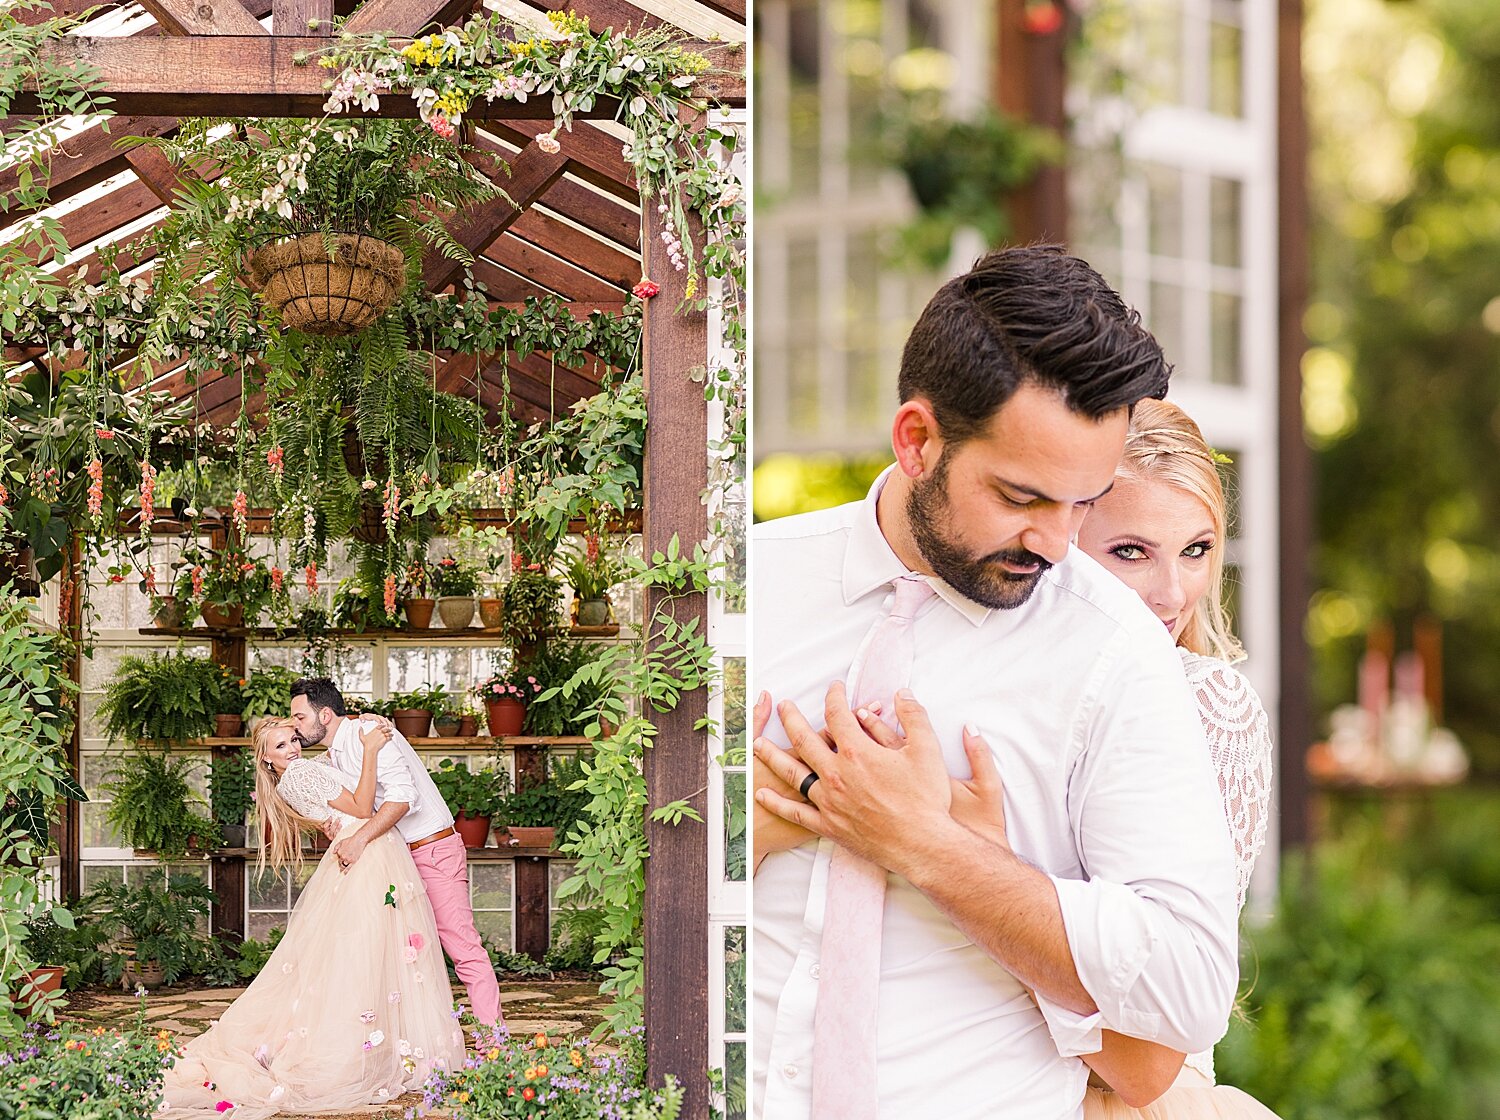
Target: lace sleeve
x,y
308,787
1239,739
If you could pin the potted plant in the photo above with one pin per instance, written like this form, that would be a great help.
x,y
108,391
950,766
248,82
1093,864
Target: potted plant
x,y
447,721
468,720
486,546
505,696
152,925
412,712
231,783
170,613
554,712
473,795
266,692
592,572
152,806
532,606
162,698
230,718
356,608
333,213
455,584
236,589
46,943
541,814
418,602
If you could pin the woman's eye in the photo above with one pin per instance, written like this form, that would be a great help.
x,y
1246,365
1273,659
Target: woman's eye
x,y
1198,550
1128,552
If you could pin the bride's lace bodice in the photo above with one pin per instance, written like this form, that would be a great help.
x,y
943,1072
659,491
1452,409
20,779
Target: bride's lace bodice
x,y
1239,741
309,786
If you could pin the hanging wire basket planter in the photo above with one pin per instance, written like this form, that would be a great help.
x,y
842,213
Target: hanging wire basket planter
x,y
329,285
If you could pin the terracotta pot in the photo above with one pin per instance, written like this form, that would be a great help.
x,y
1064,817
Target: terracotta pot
x,y
170,614
503,838
221,618
419,613
412,722
506,717
490,613
533,836
38,981
468,727
228,726
593,612
446,727
149,976
474,830
457,611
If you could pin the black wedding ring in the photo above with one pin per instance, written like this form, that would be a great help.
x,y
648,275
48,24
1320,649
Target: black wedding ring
x,y
807,784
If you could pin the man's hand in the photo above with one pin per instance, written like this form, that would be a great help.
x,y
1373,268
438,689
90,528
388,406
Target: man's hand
x,y
771,833
330,827
348,851
870,792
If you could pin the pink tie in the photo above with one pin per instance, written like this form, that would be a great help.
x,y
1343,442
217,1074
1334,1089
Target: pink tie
x,y
844,1086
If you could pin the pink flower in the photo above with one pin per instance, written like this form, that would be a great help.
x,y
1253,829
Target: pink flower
x,y
547,141
367,1017
410,955
416,941
223,1106
394,997
442,126
646,289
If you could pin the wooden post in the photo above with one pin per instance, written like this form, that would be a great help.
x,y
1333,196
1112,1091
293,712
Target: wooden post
x,y
676,920
227,873
70,842
1294,461
533,919
1030,82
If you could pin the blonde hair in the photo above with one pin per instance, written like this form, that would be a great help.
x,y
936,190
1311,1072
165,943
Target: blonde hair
x,y
276,817
1164,445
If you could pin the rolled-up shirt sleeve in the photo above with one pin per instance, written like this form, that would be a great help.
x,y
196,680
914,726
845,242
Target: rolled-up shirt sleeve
x,y
1153,928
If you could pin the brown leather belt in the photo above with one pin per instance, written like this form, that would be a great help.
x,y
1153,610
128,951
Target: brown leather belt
x,y
433,839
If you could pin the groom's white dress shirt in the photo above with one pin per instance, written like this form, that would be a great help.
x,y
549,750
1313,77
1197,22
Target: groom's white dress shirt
x,y
1109,790
399,776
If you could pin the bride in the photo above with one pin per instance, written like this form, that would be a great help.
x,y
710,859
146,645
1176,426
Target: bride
x,y
353,1008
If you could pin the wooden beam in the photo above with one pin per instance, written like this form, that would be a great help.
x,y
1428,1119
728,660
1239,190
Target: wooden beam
x,y
600,258
107,214
531,173
203,17
161,175
574,201
605,15
676,766
302,17
84,160
558,275
406,17
265,75
1294,464
593,154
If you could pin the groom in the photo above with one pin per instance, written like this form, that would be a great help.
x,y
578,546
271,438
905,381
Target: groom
x,y
985,965
405,799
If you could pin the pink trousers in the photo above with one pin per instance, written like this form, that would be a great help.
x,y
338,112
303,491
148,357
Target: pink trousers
x,y
444,868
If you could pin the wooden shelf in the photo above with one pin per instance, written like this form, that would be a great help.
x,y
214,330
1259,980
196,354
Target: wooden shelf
x,y
432,634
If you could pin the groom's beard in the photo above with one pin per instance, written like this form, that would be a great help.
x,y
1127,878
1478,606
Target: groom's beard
x,y
982,579
318,736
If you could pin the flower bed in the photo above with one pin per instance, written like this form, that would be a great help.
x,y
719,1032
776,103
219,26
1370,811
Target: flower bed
x,y
85,1074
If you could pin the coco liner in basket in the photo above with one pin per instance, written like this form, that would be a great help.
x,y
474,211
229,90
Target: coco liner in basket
x,y
329,294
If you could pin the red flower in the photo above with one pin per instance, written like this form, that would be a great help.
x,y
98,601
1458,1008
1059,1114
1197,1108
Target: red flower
x,y
311,575
104,433
276,577
1043,17
528,1093
646,289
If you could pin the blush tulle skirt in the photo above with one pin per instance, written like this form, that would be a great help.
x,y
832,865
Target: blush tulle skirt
x,y
1191,1097
353,1008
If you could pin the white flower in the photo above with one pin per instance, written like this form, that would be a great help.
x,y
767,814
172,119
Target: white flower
x,y
417,1053
377,1037
405,1048
419,978
286,968
547,142
394,997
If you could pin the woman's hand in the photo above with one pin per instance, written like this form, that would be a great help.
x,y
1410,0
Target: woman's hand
x,y
376,736
770,833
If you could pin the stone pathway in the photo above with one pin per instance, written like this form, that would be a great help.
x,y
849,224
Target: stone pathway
x,y
565,1007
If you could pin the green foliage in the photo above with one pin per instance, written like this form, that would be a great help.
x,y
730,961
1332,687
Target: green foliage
x,y
451,576
162,698
152,805
1401,392
554,712
254,954
476,793
1372,994
82,1075
531,607
574,929
267,691
231,781
555,803
155,919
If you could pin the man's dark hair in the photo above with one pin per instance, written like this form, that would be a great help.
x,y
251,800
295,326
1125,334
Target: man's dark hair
x,y
1028,315
321,693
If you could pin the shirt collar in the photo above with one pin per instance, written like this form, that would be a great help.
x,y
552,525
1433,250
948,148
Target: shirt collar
x,y
871,564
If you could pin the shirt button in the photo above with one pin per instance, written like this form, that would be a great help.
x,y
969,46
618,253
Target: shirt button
x,y
815,971
789,1072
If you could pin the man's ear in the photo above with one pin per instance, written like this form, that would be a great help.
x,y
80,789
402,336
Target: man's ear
x,y
915,438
